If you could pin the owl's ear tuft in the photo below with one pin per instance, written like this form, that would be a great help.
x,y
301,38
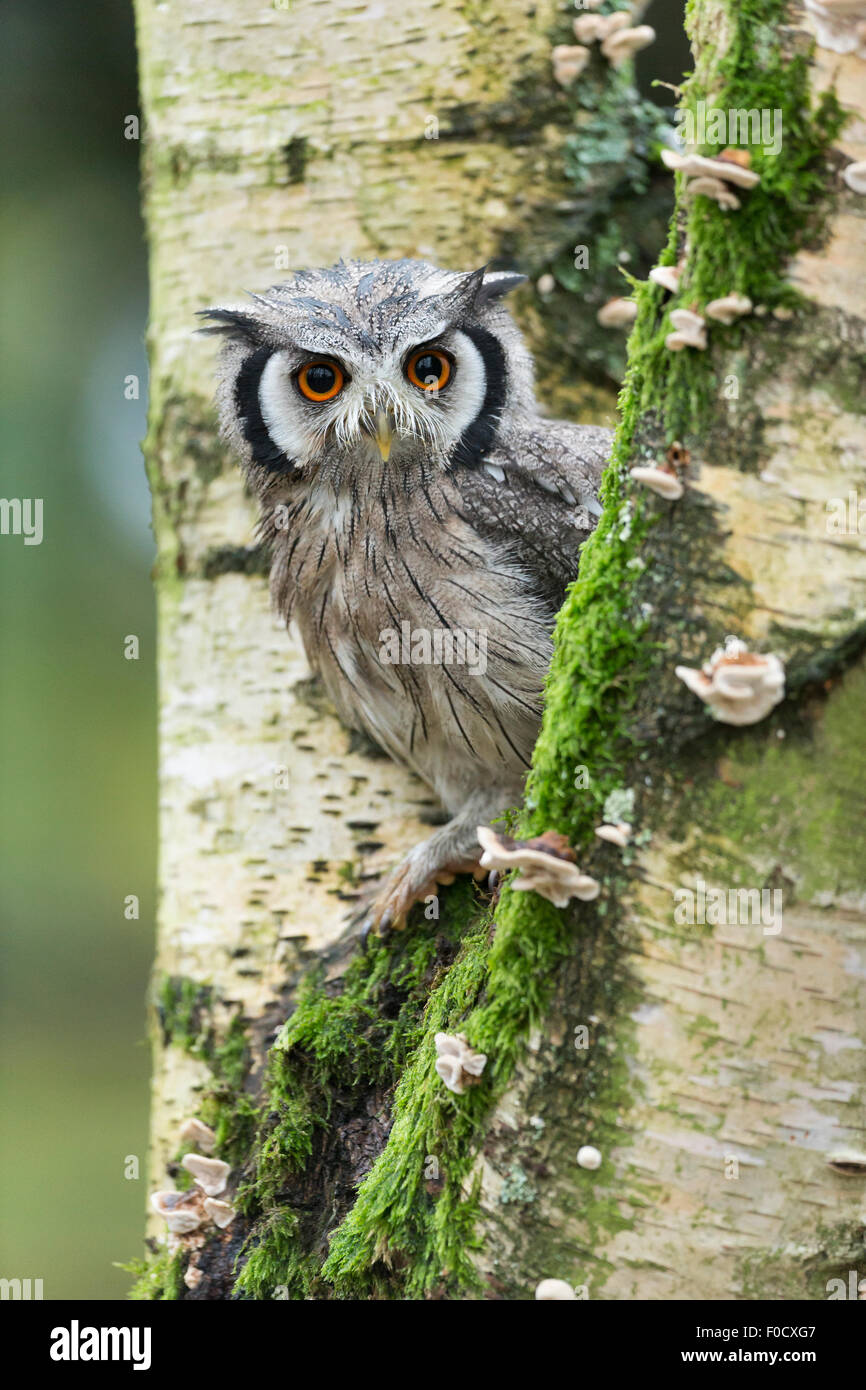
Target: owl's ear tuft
x,y
496,283
460,301
232,324
477,288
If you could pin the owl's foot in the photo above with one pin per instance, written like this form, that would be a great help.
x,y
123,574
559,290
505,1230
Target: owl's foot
x,y
415,880
453,849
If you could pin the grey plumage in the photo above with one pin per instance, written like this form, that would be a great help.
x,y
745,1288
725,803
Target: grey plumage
x,y
457,510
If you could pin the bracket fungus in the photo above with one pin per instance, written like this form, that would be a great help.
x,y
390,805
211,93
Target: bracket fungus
x,y
553,1290
855,176
731,166
739,686
220,1213
662,480
593,28
715,189
547,865
211,1174
622,44
668,276
729,308
690,330
569,61
194,1131
617,313
456,1063
588,27
182,1212
619,834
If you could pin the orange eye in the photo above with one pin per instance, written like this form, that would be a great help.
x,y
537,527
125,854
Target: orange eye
x,y
320,381
429,368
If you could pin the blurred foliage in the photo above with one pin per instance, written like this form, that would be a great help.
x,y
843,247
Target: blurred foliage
x,y
77,741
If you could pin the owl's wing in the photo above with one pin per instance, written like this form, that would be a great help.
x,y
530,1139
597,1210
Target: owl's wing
x,y
538,493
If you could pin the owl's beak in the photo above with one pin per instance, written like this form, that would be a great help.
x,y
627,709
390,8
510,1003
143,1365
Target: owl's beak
x,y
383,433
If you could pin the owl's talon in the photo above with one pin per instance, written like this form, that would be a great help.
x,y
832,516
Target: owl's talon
x,y
412,883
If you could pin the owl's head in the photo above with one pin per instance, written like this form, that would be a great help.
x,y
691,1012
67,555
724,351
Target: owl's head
x,y
370,365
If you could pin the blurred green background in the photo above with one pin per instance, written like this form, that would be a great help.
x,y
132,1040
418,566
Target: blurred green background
x,y
77,721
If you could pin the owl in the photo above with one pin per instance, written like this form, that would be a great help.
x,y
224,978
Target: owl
x,y
424,519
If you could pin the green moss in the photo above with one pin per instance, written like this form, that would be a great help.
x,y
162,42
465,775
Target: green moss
x,y
744,250
229,1055
234,1117
182,1007
284,1143
274,1265
395,1221
346,1039
157,1278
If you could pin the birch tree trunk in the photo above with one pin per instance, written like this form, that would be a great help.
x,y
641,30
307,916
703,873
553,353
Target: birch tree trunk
x,y
719,1070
